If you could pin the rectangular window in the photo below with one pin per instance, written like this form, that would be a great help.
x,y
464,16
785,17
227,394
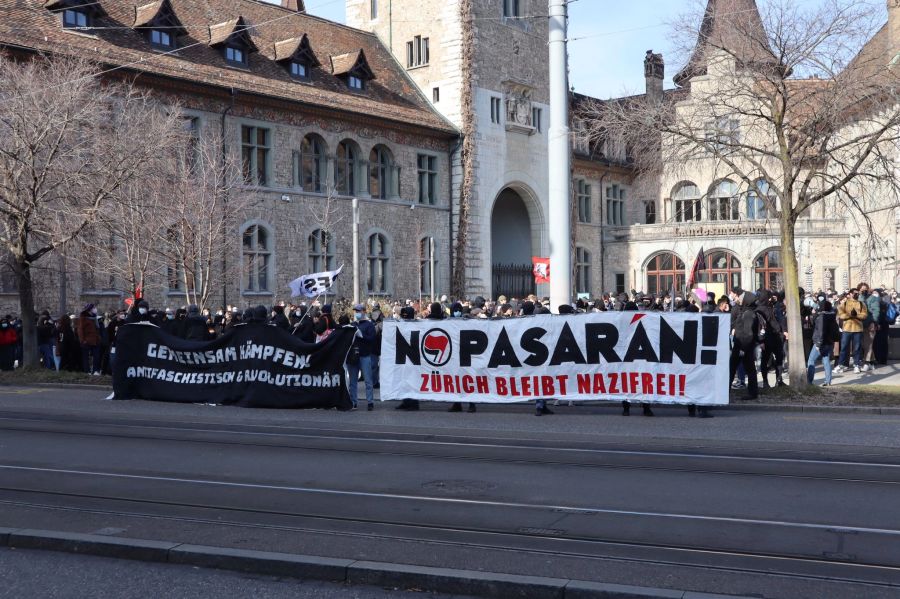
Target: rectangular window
x,y
160,38
74,18
615,205
373,9
354,82
255,148
299,70
235,55
583,192
496,113
428,188
191,127
687,210
620,282
436,95
418,52
723,133
650,213
536,114
511,8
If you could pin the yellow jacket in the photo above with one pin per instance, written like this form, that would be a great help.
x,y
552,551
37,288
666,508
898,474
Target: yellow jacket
x,y
852,324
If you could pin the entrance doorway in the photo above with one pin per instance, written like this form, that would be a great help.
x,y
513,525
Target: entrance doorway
x,y
511,246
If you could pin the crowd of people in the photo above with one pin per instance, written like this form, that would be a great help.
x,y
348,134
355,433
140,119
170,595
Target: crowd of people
x,y
851,326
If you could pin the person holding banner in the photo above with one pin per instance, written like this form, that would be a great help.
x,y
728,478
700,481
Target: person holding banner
x,y
360,357
745,325
408,314
436,312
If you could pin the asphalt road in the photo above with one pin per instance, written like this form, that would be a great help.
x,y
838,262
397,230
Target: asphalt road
x,y
763,504
25,574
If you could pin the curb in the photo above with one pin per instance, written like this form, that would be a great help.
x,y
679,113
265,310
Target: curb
x,y
60,386
353,572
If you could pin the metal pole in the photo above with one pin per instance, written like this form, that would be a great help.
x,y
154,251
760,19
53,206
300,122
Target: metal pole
x,y
431,266
559,160
355,251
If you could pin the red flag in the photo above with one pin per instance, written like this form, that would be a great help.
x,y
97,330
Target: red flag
x,y
699,264
138,294
541,269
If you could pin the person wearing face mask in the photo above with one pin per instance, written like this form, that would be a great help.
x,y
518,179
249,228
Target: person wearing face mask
x,y
46,331
89,338
304,329
169,324
140,312
851,314
436,312
360,357
8,340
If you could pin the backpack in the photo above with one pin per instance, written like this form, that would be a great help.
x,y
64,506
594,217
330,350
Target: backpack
x,y
890,312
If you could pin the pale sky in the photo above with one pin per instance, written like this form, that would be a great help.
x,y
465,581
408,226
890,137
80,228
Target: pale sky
x,y
608,40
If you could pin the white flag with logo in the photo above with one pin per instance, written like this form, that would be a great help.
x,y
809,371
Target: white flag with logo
x,y
315,284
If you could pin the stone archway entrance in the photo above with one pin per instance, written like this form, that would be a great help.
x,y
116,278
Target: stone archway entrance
x,y
512,246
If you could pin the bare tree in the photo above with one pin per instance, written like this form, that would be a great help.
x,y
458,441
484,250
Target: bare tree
x,y
196,236
68,143
799,105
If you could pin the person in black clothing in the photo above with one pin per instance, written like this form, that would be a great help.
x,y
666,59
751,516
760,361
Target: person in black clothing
x,y
436,312
169,324
360,357
67,347
825,334
773,340
305,327
408,314
745,328
46,333
195,327
279,319
140,312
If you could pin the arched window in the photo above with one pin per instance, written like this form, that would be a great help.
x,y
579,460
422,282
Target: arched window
x,y
582,270
665,271
427,259
381,173
345,168
310,164
321,251
756,205
722,267
257,260
378,260
769,271
723,202
686,198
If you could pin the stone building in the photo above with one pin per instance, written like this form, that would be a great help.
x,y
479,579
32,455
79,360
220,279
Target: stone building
x,y
703,205
315,108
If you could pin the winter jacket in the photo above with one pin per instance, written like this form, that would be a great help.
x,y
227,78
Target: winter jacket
x,y
825,329
745,323
195,328
86,330
774,330
8,336
852,314
365,337
873,307
46,331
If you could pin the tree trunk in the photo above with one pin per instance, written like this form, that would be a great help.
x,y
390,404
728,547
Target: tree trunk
x,y
26,309
797,355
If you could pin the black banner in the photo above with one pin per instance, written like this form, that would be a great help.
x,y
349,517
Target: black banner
x,y
252,365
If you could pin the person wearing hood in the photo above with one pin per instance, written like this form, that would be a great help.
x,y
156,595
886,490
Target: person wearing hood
x,y
140,312
745,332
195,327
89,339
169,324
436,312
46,331
303,330
773,340
408,314
278,319
360,357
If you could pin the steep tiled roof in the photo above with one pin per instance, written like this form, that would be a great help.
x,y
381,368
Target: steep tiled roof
x,y
731,25
391,96
286,49
146,13
351,62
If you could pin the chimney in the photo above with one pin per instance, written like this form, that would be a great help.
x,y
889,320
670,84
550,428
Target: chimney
x,y
294,5
654,74
893,25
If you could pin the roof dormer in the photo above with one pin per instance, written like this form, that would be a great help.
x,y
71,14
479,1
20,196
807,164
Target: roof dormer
x,y
353,68
233,39
75,14
159,24
296,56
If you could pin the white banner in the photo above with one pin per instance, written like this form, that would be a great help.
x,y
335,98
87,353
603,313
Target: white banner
x,y
315,284
614,356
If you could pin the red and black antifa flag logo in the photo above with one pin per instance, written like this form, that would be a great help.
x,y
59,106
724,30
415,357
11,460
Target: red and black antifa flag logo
x,y
437,349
